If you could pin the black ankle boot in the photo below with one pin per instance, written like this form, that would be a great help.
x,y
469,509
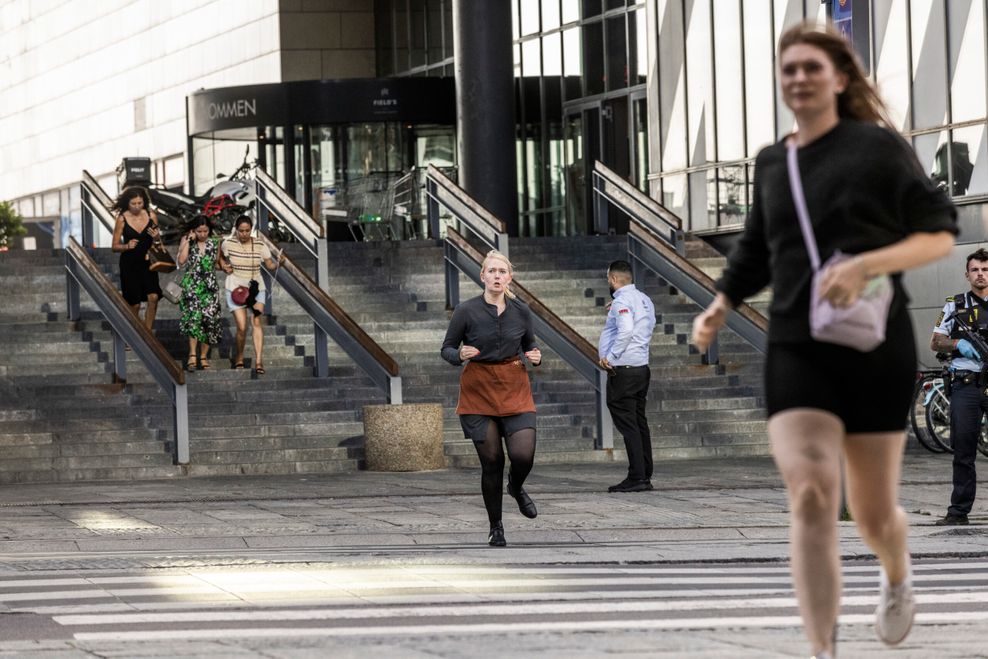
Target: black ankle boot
x,y
496,538
525,503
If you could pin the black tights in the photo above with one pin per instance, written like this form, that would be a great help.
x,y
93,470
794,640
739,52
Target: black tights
x,y
521,452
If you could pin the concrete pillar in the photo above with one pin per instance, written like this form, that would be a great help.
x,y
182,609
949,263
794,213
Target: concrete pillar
x,y
485,106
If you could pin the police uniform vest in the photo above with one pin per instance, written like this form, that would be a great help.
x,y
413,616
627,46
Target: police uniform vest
x,y
976,315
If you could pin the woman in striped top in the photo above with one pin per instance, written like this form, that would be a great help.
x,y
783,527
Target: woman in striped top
x,y
241,257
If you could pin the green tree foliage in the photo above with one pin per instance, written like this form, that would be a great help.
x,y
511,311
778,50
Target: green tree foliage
x,y
11,225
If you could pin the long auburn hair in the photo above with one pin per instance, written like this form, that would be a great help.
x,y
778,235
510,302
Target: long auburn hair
x,y
860,99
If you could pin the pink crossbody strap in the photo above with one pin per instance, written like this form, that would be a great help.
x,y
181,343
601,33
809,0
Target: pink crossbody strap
x,y
796,185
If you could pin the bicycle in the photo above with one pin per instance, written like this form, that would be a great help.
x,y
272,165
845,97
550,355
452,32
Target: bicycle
x,y
932,425
929,390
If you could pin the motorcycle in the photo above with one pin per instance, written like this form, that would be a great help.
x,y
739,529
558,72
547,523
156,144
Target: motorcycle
x,y
223,203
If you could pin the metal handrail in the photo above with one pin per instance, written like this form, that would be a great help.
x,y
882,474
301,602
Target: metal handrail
x,y
611,187
276,200
273,199
646,248
330,320
95,203
83,272
656,242
558,335
443,191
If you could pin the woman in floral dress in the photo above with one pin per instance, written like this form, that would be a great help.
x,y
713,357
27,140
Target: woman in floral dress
x,y
200,302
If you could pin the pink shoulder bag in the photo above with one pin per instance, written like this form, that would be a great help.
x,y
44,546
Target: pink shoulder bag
x,y
860,326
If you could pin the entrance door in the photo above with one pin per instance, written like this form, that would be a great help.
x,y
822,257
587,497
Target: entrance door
x,y
617,153
582,136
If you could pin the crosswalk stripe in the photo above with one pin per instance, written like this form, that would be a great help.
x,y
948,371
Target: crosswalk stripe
x,y
711,572
428,599
499,628
235,585
241,603
514,609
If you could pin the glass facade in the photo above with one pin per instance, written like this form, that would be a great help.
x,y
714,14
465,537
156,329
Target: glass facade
x,y
718,102
580,74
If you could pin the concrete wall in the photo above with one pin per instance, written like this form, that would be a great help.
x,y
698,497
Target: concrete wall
x,y
84,83
327,39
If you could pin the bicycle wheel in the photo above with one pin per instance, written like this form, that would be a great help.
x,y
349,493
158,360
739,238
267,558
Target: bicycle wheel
x,y
917,415
938,418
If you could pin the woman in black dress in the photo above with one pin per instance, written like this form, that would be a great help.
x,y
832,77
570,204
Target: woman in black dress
x,y
490,333
135,231
867,195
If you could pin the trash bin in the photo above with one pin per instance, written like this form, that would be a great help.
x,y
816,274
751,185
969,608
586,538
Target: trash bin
x,y
404,437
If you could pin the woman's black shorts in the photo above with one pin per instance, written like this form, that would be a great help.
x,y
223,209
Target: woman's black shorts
x,y
870,392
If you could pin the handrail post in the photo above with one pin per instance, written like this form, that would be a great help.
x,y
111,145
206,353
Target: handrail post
x,y
452,280
262,209
119,357
712,355
394,390
87,217
72,306
501,243
322,263
433,208
605,425
268,280
600,208
181,415
321,346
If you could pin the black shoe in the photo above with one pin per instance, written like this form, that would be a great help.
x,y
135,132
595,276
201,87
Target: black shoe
x,y
631,485
952,520
496,538
525,503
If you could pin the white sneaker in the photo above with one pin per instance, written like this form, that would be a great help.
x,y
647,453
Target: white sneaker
x,y
896,608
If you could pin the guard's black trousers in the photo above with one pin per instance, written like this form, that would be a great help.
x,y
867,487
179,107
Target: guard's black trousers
x,y
968,403
627,390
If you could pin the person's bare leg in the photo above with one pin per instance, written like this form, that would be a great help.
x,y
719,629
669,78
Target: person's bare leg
x,y
192,351
240,317
806,444
257,335
151,311
874,464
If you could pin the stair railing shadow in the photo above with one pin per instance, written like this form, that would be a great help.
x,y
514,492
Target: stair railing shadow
x,y
655,242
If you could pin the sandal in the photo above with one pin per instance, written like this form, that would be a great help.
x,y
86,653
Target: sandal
x,y
238,365
190,365
259,369
203,363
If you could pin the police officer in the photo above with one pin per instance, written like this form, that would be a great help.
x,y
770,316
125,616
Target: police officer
x,y
969,388
623,352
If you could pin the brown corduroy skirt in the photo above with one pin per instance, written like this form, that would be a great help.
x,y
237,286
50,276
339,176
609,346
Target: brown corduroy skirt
x,y
495,389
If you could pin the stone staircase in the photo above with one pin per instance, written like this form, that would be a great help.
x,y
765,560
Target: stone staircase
x,y
61,418
694,410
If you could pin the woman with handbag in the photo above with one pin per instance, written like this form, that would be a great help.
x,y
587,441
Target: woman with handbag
x,y
200,301
844,181
135,232
241,257
490,333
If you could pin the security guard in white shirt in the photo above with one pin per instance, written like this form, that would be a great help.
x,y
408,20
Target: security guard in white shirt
x,y
623,352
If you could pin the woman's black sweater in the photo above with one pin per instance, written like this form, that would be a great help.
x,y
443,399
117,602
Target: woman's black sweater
x,y
864,190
